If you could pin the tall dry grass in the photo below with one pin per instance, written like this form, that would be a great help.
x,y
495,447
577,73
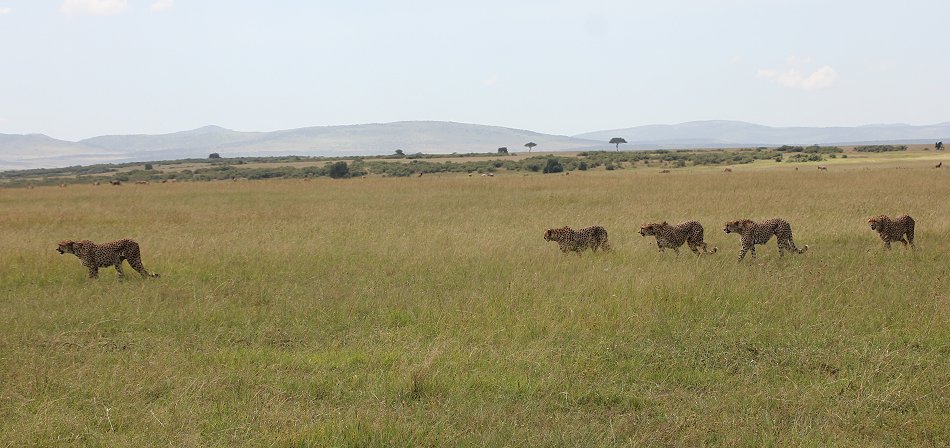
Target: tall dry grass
x,y
429,311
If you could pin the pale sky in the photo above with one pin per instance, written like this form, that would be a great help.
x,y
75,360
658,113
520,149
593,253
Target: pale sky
x,y
80,68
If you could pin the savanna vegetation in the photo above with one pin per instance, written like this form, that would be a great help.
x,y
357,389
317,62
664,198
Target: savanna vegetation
x,y
429,311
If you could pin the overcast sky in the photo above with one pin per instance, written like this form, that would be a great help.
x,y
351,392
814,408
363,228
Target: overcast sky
x,y
79,68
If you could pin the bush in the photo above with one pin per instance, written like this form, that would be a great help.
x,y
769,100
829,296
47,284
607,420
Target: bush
x,y
148,166
553,166
805,158
880,148
338,170
214,155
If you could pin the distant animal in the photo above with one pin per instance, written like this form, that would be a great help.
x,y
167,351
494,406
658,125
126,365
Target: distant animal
x,y
796,168
664,171
420,175
94,256
115,182
96,183
753,233
894,229
727,170
672,237
141,182
822,168
938,146
62,185
568,239
939,165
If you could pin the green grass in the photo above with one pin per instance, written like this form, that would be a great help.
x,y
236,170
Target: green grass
x,y
429,311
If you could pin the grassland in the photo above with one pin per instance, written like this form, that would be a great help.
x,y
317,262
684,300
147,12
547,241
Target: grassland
x,y
430,312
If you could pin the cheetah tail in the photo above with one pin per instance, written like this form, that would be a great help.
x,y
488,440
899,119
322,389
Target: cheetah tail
x,y
715,249
803,249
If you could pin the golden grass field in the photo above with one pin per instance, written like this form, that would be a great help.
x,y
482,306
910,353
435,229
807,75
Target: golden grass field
x,y
430,312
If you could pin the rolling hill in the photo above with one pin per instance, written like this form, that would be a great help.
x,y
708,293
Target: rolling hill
x,y
40,151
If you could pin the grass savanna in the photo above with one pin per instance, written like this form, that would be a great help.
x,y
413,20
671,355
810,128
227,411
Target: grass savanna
x,y
404,165
430,311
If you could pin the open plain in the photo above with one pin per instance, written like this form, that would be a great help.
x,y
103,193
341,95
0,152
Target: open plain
x,y
430,312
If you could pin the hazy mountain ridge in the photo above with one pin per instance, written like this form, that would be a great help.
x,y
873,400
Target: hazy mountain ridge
x,y
41,151
738,133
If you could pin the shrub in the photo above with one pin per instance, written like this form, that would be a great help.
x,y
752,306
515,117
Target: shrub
x,y
338,170
553,166
880,148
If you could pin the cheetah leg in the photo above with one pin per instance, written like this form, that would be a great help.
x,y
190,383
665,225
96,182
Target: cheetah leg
x,y
903,241
694,247
660,247
118,270
742,253
910,237
887,244
785,246
676,250
93,272
137,265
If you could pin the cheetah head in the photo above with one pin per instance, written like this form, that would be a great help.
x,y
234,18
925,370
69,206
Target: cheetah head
x,y
875,222
66,246
652,228
555,234
649,229
737,226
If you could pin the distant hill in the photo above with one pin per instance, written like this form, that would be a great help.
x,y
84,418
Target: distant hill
x,y
38,150
721,133
363,139
434,137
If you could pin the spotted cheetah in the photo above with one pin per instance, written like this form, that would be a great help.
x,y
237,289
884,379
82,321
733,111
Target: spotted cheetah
x,y
894,229
753,233
672,237
568,239
94,256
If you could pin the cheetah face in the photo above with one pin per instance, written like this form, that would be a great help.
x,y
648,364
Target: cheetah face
x,y
874,223
732,226
649,229
547,234
65,247
738,226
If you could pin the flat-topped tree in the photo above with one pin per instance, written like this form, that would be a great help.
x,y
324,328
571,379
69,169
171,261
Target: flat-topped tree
x,y
503,150
530,145
938,146
617,141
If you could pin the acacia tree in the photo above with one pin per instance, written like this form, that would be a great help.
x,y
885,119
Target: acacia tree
x,y
938,146
617,141
530,145
503,150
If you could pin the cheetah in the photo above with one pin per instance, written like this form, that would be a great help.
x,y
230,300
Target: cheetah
x,y
894,229
672,237
753,233
94,256
568,239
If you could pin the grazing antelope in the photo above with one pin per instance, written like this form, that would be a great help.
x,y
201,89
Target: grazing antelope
x,y
822,168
